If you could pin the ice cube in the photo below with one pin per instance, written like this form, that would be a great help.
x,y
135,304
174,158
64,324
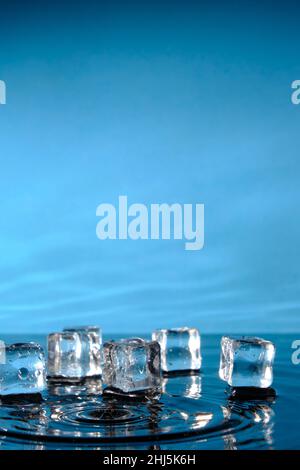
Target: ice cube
x,y
91,348
247,361
64,356
22,369
180,349
132,365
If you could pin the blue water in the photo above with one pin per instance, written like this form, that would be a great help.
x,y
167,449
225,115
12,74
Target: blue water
x,y
193,412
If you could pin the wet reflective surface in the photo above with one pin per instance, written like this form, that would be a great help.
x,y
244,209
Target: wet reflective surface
x,y
192,412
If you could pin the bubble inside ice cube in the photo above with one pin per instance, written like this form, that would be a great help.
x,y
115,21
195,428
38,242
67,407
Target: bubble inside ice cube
x,y
180,349
132,365
22,369
247,361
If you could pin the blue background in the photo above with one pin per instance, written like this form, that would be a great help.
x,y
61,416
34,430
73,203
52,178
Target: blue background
x,y
163,102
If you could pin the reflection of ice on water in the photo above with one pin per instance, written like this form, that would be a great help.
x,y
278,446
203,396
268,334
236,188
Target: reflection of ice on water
x,y
89,387
188,386
230,442
56,413
261,416
226,411
201,420
265,415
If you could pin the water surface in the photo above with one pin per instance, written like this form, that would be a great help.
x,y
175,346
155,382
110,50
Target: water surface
x,y
193,412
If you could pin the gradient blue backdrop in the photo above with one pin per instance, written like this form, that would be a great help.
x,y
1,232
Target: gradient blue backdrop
x,y
164,102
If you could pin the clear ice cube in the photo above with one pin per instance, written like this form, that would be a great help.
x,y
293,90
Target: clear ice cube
x,y
91,348
180,349
247,361
22,369
132,365
64,355
75,353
